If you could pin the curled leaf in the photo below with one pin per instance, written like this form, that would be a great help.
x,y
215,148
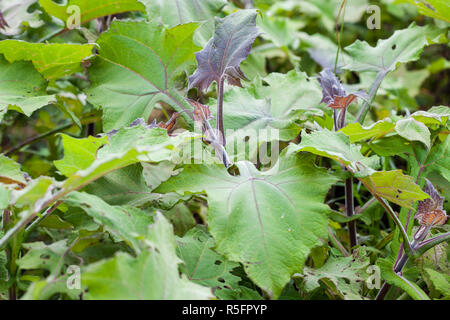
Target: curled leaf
x,y
430,211
3,23
334,93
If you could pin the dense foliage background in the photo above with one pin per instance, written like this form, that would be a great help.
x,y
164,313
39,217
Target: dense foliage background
x,y
96,203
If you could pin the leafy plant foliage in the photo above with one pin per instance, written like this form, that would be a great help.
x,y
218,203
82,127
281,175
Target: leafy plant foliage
x,y
220,149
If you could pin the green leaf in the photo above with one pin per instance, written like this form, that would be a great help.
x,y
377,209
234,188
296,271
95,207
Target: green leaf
x,y
10,172
54,258
202,264
434,116
438,159
440,281
22,87
413,130
403,46
439,9
52,60
78,153
269,221
388,274
17,14
395,187
337,146
128,146
137,67
90,9
36,191
174,12
127,223
345,273
152,275
356,132
274,105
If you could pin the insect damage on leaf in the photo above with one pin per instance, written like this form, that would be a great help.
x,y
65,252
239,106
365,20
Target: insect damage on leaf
x,y
430,211
224,52
334,93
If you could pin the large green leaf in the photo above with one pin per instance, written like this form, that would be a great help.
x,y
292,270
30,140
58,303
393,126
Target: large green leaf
x,y
269,221
337,146
90,9
152,275
22,88
53,60
403,46
272,102
136,67
174,12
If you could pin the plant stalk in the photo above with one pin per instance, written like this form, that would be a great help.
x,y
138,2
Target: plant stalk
x,y
219,124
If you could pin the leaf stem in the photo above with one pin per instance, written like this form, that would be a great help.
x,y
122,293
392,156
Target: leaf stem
x,y
373,92
219,124
350,210
37,138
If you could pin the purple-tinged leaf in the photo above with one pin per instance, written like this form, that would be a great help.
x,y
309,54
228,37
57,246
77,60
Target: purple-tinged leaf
x,y
3,23
334,93
430,211
224,52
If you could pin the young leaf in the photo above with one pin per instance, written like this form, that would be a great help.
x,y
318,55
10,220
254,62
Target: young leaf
x,y
333,91
268,221
152,275
136,68
224,52
53,60
430,212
